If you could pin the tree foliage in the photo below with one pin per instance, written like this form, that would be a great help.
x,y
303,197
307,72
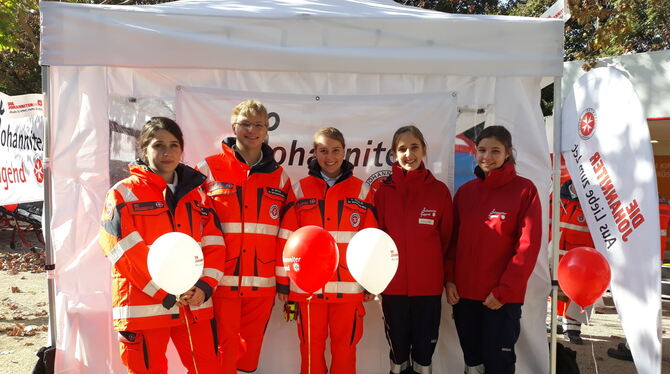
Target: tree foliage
x,y
19,47
20,72
601,28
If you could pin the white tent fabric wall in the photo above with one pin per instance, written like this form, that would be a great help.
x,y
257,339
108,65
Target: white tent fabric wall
x,y
80,97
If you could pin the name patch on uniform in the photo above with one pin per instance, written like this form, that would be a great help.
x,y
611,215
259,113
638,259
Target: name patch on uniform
x,y
276,192
148,205
217,188
360,204
426,221
303,202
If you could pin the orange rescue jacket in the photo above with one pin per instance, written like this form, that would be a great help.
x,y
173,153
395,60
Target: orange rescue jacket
x,y
136,213
574,231
249,202
343,210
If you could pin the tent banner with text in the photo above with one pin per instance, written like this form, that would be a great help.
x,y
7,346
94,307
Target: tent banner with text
x,y
22,148
367,123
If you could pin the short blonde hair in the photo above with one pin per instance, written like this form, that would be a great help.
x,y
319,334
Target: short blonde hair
x,y
330,132
247,108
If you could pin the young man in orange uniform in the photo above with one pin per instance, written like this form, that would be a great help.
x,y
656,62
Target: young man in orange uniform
x,y
250,193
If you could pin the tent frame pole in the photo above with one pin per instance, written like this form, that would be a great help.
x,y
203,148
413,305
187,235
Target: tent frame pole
x,y
555,214
49,264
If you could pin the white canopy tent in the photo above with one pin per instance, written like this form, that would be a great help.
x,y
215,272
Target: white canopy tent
x,y
99,56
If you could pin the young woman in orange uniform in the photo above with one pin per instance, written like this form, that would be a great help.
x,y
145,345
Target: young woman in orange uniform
x,y
415,209
160,196
330,197
498,231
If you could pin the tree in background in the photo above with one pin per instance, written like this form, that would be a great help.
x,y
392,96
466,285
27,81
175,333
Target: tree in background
x,y
19,47
602,28
20,71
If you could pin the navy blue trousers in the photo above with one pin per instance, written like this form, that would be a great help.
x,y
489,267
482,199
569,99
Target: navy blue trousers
x,y
412,326
488,336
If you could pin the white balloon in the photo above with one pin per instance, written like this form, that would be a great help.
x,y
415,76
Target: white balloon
x,y
372,258
175,262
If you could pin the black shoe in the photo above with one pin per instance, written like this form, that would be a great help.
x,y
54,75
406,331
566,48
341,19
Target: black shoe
x,y
574,337
620,353
559,329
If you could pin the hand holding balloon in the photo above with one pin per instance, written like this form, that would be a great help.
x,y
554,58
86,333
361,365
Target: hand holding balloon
x,y
584,275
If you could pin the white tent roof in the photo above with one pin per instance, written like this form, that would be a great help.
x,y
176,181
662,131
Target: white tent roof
x,y
353,36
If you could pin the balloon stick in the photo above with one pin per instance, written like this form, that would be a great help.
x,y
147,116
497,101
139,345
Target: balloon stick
x,y
190,340
309,337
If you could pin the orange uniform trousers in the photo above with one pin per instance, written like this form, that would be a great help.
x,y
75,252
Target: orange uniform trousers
x,y
345,322
143,351
241,318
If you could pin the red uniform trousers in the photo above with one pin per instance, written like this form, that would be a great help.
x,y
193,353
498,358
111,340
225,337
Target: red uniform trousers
x,y
241,318
143,351
345,321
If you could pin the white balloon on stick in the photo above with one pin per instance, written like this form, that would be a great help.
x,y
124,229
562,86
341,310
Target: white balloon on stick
x,y
372,258
175,262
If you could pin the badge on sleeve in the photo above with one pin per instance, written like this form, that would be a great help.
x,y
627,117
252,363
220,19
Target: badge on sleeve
x,y
109,210
274,211
355,219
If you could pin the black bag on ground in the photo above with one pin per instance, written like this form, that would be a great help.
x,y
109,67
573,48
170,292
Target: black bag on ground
x,y
566,360
45,362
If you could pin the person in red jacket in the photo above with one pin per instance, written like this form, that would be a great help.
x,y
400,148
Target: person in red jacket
x,y
250,193
330,197
498,233
160,196
414,207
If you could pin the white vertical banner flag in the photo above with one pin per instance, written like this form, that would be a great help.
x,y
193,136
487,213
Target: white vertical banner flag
x,y
21,148
606,145
560,10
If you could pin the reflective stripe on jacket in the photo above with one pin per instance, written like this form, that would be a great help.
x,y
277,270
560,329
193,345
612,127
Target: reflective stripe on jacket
x,y
136,213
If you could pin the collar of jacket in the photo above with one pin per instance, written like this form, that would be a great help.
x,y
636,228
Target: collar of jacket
x,y
498,177
189,178
315,170
400,176
267,163
565,191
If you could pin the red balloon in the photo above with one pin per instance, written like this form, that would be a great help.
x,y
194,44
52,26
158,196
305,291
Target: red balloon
x,y
310,257
584,275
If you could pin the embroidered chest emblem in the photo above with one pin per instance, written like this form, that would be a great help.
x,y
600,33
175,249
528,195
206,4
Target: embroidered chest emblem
x,y
428,213
496,214
580,218
274,211
355,219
